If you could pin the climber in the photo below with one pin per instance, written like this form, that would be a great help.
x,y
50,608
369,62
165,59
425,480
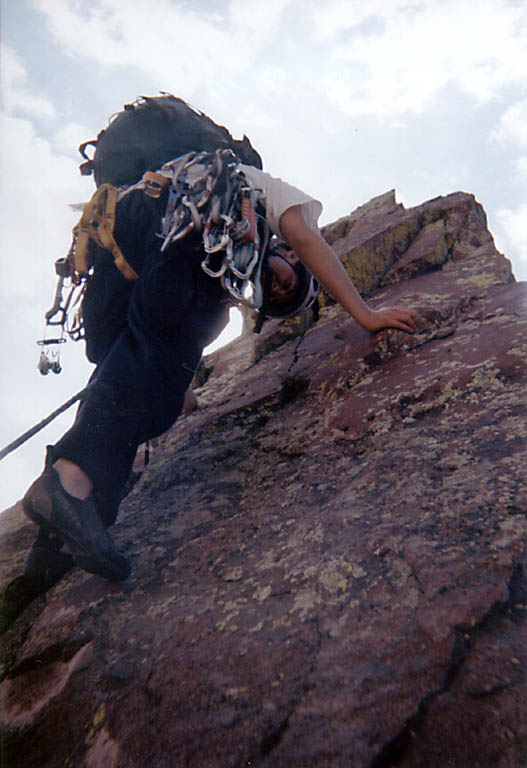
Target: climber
x,y
146,336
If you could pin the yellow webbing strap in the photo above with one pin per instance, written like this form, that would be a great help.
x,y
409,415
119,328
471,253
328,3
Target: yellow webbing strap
x,y
155,183
97,222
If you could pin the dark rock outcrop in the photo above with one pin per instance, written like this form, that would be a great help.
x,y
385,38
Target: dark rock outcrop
x,y
328,555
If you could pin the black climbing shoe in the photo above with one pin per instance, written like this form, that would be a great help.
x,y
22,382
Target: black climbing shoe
x,y
46,564
77,523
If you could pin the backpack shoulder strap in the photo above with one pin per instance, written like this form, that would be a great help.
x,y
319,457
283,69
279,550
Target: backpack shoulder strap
x,y
97,223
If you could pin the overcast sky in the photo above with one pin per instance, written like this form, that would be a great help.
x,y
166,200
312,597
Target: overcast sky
x,y
343,98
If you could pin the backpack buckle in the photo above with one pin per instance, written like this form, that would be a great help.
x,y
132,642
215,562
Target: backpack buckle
x,y
155,184
86,168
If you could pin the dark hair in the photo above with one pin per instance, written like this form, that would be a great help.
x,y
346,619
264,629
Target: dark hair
x,y
306,292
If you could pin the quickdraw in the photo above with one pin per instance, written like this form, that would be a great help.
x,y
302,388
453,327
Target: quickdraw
x,y
49,358
96,223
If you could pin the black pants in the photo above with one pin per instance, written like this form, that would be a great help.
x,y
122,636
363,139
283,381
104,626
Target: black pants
x,y
147,339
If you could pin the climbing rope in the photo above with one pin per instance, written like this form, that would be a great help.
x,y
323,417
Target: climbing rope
x,y
307,326
41,424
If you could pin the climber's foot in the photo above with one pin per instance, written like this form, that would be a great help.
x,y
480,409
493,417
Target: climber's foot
x,y
46,564
77,523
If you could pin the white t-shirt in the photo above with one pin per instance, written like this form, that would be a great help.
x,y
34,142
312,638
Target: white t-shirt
x,y
277,196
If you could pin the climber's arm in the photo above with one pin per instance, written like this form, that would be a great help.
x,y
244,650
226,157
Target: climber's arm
x,y
325,265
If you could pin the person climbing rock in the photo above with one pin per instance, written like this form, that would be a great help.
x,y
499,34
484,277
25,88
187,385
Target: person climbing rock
x,y
195,225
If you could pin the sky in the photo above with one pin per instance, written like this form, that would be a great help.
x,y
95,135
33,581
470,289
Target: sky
x,y
345,99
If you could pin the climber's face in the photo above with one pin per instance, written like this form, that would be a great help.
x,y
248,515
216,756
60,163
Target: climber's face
x,y
285,279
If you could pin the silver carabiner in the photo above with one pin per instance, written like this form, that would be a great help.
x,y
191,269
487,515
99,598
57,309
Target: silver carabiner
x,y
211,272
236,266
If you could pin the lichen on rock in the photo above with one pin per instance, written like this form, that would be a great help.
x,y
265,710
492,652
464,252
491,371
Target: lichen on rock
x,y
328,554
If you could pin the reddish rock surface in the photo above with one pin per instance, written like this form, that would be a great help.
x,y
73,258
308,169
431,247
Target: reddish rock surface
x,y
328,555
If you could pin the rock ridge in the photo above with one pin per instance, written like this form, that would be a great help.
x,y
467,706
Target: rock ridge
x,y
328,554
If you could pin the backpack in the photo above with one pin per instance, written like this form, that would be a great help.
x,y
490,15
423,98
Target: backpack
x,y
150,132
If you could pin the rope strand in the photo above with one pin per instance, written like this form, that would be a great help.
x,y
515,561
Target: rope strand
x,y
41,424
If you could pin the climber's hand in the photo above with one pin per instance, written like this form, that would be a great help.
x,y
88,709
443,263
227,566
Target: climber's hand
x,y
391,317
322,261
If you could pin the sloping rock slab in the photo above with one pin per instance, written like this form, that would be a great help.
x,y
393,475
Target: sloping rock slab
x,y
328,556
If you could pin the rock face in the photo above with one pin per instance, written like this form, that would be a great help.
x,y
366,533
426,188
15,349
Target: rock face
x,y
328,555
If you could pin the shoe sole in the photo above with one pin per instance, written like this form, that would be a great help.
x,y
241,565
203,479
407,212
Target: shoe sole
x,y
82,550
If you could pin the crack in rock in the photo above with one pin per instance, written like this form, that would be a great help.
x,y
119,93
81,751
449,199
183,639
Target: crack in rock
x,y
393,752
273,739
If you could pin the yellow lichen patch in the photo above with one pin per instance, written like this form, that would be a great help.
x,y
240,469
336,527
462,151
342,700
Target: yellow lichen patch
x,y
279,679
481,280
262,593
356,570
268,562
99,715
159,609
333,581
233,606
315,534
234,574
302,573
305,601
210,430
335,576
487,376
96,723
226,624
280,623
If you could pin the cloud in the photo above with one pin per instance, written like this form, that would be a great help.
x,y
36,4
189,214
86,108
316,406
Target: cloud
x,y
16,94
514,223
173,43
412,51
521,170
68,137
387,60
513,125
36,186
